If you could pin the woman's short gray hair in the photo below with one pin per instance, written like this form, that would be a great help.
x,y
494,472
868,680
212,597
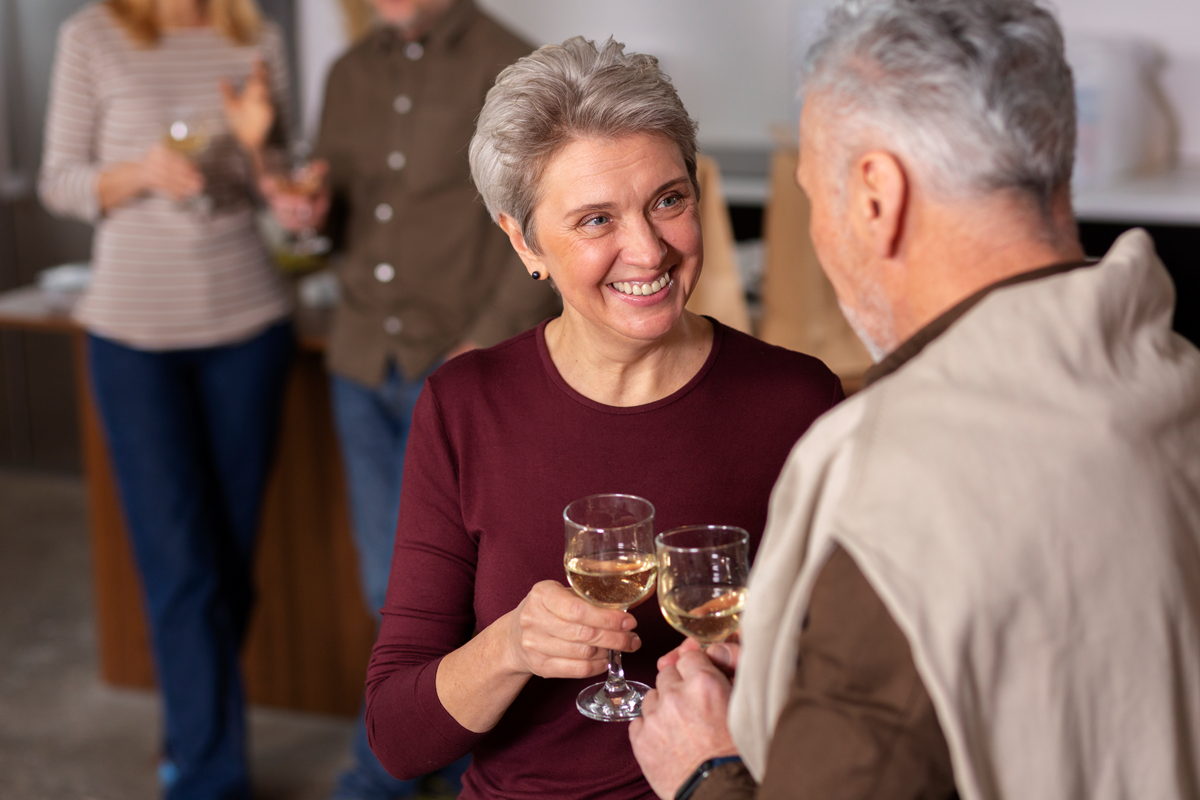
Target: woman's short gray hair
x,y
556,95
976,93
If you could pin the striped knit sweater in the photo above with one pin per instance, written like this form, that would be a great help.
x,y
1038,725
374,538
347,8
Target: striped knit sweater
x,y
166,274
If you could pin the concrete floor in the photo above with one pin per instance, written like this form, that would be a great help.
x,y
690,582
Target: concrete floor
x,y
64,735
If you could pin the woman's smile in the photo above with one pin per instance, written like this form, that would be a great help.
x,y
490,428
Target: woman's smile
x,y
619,233
632,289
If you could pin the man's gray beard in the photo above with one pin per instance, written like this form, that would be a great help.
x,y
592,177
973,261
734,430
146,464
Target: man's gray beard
x,y
877,351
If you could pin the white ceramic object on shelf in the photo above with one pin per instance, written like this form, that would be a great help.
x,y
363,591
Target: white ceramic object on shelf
x,y
1125,128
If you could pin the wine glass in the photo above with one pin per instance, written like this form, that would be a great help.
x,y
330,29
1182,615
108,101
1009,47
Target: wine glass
x,y
189,135
296,176
610,563
702,573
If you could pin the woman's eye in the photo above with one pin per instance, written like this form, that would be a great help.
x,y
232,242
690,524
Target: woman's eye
x,y
595,222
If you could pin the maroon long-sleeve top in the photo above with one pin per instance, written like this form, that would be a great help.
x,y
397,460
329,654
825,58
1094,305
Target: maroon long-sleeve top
x,y
500,444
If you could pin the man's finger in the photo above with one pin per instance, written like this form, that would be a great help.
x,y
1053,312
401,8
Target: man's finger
x,y
668,679
650,703
670,658
635,726
725,656
693,663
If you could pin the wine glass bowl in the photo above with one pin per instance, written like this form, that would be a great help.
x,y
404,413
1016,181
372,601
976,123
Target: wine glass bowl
x,y
189,134
611,563
612,580
702,574
295,175
186,137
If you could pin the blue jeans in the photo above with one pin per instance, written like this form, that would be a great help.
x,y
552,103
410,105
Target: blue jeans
x,y
191,434
373,425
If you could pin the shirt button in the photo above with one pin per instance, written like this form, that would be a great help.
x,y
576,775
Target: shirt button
x,y
414,51
383,212
393,325
384,272
396,160
402,104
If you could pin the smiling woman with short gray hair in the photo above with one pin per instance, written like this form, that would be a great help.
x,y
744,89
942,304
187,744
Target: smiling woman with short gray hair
x,y
586,158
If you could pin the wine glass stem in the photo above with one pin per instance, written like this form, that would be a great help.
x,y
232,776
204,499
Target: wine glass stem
x,y
615,685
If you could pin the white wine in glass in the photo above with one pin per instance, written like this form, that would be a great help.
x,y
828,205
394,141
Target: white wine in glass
x,y
187,139
612,580
189,136
296,176
610,562
702,573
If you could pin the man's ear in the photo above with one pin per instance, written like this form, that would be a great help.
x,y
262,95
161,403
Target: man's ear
x,y
879,196
533,263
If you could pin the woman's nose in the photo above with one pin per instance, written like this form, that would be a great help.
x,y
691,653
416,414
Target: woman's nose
x,y
643,245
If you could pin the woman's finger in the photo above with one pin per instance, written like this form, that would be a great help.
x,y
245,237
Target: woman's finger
x,y
557,637
565,604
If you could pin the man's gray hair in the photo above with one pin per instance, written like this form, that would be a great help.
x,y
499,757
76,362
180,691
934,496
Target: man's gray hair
x,y
976,93
556,95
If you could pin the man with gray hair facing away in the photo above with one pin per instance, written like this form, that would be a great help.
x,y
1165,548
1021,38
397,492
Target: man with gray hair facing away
x,y
981,575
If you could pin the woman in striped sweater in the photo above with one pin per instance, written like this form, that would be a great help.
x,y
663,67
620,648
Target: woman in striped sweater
x,y
188,332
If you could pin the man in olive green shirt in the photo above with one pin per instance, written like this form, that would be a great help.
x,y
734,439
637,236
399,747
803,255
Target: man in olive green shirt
x,y
424,273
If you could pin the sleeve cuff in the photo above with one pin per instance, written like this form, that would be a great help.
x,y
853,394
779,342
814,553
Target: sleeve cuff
x,y
731,781
409,730
436,716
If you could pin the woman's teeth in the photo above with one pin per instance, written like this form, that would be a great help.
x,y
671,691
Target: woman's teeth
x,y
643,289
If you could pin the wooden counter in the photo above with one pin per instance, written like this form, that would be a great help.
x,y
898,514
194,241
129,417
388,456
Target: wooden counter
x,y
310,636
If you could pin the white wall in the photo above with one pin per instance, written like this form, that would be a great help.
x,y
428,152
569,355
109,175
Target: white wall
x,y
30,35
728,58
732,60
320,39
732,63
1171,25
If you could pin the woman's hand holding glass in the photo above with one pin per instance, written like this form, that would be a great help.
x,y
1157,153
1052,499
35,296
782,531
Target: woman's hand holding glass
x,y
557,634
165,171
610,562
552,633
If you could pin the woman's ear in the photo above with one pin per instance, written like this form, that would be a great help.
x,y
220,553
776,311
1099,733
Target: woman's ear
x,y
533,263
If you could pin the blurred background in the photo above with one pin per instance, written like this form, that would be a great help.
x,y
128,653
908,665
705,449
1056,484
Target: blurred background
x,y
735,65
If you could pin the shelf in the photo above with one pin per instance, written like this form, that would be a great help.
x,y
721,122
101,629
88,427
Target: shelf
x,y
1169,199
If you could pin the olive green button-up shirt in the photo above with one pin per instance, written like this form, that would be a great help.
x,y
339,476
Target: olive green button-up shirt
x,y
422,267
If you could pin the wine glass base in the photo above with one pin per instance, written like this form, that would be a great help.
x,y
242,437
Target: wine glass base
x,y
596,703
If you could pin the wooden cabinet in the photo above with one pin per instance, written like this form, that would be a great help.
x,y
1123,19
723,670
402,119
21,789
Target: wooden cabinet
x,y
310,636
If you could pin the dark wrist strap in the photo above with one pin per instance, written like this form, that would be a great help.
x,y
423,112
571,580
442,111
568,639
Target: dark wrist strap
x,y
691,784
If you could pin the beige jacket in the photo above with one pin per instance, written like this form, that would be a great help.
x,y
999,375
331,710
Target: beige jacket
x,y
1024,495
